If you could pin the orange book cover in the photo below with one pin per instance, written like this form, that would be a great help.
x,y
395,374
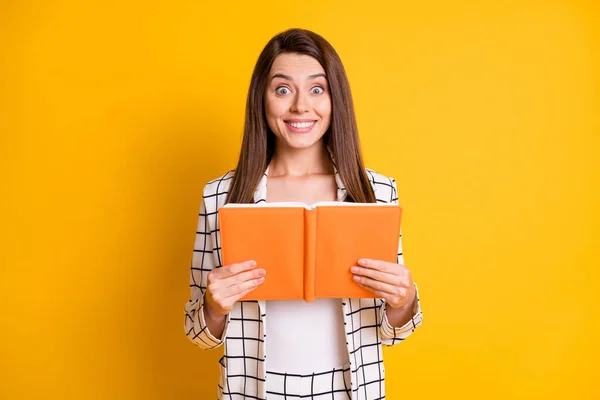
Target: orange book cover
x,y
307,251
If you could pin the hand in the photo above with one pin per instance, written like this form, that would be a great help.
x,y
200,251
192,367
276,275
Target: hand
x,y
226,285
390,281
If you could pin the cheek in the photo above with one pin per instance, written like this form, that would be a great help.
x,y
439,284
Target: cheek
x,y
324,109
268,103
274,108
273,113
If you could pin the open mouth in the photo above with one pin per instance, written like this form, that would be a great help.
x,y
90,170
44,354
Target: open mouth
x,y
300,126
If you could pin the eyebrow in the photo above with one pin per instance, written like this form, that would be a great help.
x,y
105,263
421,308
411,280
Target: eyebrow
x,y
289,78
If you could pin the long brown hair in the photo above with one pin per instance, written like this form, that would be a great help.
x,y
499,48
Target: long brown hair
x,y
258,144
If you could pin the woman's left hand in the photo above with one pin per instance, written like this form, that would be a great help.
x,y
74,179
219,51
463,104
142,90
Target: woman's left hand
x,y
390,281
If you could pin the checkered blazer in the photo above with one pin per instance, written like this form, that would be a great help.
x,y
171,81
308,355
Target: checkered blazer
x,y
243,372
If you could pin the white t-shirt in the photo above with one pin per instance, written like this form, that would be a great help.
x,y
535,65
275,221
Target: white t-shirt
x,y
303,338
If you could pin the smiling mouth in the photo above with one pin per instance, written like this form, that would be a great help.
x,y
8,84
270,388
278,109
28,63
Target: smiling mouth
x,y
301,125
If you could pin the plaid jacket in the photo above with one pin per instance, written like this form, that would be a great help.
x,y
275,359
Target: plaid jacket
x,y
243,373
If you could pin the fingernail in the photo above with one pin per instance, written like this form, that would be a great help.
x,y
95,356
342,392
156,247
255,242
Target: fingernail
x,y
261,280
253,263
262,272
354,269
362,263
356,278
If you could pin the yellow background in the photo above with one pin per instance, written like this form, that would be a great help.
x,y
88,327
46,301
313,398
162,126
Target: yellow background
x,y
115,114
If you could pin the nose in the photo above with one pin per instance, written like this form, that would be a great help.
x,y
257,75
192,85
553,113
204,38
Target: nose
x,y
301,103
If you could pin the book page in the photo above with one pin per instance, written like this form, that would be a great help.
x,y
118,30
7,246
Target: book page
x,y
263,204
346,204
281,204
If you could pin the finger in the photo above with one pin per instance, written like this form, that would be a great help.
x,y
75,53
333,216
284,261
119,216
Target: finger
x,y
225,299
245,292
383,266
235,269
243,277
377,275
378,285
220,278
392,300
379,293
235,290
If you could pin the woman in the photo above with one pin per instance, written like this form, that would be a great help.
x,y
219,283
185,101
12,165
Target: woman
x,y
300,137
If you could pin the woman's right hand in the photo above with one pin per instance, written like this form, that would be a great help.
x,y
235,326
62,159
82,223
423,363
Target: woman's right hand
x,y
228,284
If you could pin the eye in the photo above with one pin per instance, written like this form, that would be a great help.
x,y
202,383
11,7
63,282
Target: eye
x,y
317,90
281,90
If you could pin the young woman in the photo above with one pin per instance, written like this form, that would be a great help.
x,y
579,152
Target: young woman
x,y
300,141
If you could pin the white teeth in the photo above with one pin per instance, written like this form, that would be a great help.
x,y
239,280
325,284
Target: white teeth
x,y
301,125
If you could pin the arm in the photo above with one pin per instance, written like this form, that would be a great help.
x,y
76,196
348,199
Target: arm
x,y
398,324
195,324
392,334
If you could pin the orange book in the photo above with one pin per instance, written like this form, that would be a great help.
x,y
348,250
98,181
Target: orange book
x,y
307,251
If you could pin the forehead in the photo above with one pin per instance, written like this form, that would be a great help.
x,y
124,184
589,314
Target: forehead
x,y
296,65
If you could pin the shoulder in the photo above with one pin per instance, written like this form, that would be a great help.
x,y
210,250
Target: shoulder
x,y
218,186
383,186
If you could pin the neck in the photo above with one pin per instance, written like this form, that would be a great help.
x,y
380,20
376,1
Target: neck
x,y
300,162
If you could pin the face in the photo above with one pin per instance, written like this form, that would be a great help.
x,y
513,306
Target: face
x,y
297,101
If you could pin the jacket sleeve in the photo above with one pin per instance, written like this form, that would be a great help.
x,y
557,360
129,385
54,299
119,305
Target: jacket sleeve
x,y
203,262
392,335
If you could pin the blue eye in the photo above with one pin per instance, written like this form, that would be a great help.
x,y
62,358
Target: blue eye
x,y
282,90
317,90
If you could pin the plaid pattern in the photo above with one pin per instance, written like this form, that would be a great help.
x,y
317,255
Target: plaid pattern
x,y
328,385
243,373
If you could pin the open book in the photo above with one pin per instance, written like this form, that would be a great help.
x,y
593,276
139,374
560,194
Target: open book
x,y
307,251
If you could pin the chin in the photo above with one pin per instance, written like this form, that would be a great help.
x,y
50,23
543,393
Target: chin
x,y
302,142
